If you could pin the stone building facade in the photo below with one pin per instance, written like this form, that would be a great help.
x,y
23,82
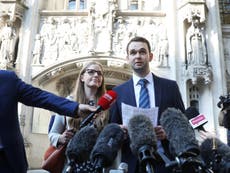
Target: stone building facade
x,y
47,42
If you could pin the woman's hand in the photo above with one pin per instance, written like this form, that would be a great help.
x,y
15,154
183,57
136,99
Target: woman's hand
x,y
65,137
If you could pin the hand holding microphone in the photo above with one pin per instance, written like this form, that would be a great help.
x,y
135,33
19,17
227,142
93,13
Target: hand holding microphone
x,y
84,108
65,137
104,103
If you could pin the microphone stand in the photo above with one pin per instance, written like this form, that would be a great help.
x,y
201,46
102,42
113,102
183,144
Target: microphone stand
x,y
71,166
149,168
188,161
98,165
146,157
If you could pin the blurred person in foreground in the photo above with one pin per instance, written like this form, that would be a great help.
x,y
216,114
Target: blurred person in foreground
x,y
224,116
12,91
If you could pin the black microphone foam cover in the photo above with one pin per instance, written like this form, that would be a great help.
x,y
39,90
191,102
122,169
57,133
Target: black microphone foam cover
x,y
207,147
179,132
108,144
141,133
81,145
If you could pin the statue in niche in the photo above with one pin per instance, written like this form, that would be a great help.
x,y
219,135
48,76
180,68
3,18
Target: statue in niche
x,y
64,40
163,47
195,44
7,43
102,32
82,36
37,50
49,35
121,32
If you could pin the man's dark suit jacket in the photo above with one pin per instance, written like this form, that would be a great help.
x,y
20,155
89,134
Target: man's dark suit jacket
x,y
167,94
12,91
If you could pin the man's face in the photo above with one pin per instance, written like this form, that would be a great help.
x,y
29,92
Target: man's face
x,y
139,57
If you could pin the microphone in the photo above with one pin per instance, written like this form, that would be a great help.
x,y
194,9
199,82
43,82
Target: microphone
x,y
143,142
196,119
122,168
104,103
182,141
107,145
79,148
216,155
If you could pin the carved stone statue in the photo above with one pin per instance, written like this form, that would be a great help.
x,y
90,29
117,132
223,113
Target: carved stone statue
x,y
195,44
163,47
37,50
7,40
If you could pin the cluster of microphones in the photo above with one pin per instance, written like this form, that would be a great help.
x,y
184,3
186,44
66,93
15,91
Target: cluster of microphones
x,y
212,156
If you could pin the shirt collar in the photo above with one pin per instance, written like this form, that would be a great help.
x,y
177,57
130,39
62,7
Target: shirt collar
x,y
147,77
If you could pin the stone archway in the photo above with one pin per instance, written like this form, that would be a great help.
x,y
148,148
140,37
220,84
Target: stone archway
x,y
60,79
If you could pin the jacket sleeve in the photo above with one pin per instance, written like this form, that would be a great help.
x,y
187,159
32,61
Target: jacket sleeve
x,y
57,129
33,96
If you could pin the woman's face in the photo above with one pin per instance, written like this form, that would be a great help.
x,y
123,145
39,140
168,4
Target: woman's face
x,y
93,76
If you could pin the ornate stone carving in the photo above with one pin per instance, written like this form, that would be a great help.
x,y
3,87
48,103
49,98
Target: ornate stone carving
x,y
65,85
8,37
199,74
12,8
197,67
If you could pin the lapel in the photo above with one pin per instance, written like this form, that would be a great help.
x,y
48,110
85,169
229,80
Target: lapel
x,y
157,90
130,97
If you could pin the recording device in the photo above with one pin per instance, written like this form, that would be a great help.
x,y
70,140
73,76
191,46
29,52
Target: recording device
x,y
196,119
104,103
122,168
216,155
143,142
224,102
80,146
182,143
107,146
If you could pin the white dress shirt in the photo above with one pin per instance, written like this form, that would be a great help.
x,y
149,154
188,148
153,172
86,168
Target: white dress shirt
x,y
150,87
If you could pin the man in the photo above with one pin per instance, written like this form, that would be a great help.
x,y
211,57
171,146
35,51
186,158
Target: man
x,y
163,93
14,90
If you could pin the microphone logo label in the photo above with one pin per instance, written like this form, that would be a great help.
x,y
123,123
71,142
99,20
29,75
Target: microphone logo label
x,y
198,120
108,97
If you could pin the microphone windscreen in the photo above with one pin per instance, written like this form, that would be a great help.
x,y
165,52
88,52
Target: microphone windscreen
x,y
81,145
207,147
108,144
141,133
179,132
107,99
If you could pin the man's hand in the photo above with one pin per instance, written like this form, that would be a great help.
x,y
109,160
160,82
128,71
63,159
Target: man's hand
x,y
160,133
125,130
85,108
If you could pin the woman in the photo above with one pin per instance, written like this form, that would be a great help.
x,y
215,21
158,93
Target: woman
x,y
88,89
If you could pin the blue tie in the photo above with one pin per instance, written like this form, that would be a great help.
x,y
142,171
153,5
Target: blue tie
x,y
144,95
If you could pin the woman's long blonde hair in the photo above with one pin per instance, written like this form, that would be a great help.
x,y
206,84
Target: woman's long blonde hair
x,y
80,96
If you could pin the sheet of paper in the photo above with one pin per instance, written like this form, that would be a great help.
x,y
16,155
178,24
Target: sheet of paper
x,y
129,111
